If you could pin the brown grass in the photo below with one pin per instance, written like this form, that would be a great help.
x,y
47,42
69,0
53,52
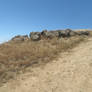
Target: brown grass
x,y
18,56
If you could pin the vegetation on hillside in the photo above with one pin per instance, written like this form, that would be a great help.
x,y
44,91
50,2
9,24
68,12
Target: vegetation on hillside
x,y
17,56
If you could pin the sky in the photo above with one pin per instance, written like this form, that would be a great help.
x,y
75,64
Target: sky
x,y
20,17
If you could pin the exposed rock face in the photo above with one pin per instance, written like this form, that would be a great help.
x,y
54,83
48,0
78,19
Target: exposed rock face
x,y
35,36
73,33
49,34
66,33
83,33
20,38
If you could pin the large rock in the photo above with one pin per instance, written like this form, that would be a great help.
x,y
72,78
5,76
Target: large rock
x,y
49,34
35,36
83,33
58,33
64,33
72,33
20,38
67,33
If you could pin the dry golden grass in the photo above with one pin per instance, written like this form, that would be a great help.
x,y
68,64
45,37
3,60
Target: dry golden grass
x,y
17,56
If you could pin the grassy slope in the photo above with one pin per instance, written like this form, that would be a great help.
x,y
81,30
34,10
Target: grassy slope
x,y
18,56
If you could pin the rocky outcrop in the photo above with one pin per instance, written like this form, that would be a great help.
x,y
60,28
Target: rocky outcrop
x,y
66,33
36,36
49,34
83,33
20,38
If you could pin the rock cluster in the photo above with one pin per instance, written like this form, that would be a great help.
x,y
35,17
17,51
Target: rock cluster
x,y
20,38
35,36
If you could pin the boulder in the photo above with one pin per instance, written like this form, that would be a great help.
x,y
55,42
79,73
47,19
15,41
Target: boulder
x,y
83,33
64,33
67,33
55,33
35,36
43,33
49,34
20,38
25,37
72,33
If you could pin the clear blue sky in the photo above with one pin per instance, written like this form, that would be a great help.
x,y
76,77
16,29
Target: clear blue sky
x,y
24,16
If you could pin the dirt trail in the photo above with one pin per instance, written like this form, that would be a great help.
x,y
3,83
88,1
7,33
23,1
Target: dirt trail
x,y
72,72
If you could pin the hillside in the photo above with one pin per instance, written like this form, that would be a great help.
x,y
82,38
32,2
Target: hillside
x,y
22,52
71,72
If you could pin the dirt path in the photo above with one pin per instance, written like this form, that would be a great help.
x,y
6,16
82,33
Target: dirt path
x,y
72,72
